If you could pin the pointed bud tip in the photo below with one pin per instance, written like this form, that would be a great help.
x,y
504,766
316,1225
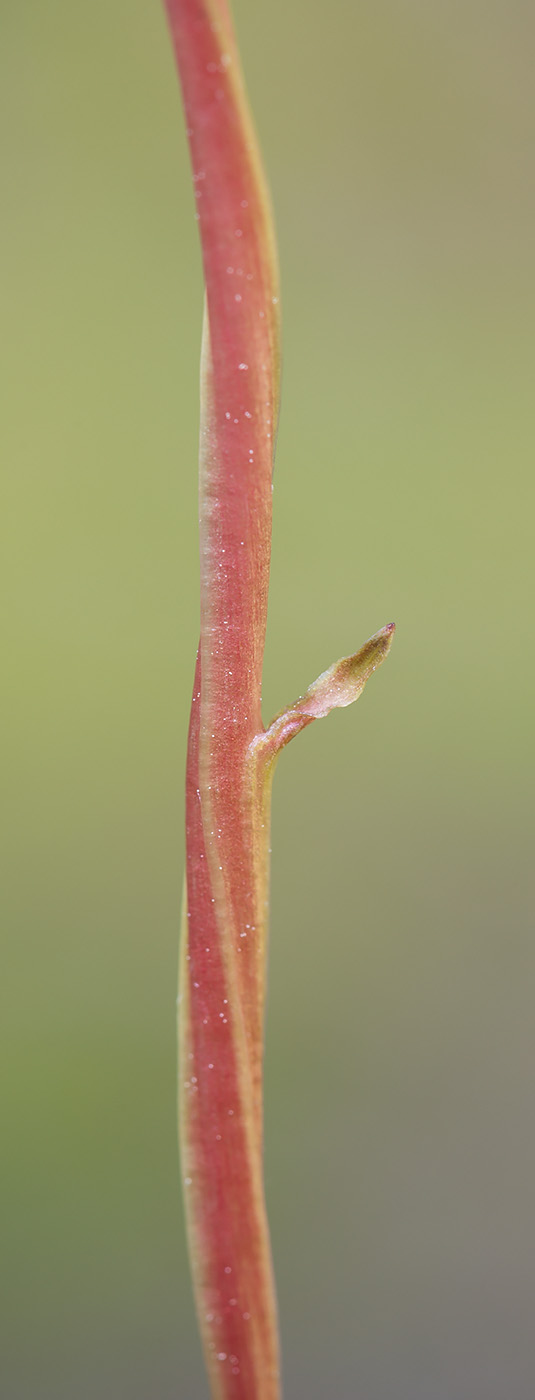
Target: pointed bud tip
x,y
384,633
377,646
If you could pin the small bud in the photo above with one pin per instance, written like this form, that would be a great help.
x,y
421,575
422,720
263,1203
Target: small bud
x,y
337,687
342,683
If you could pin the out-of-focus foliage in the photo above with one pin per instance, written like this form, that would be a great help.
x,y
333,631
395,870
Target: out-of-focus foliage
x,y
400,1137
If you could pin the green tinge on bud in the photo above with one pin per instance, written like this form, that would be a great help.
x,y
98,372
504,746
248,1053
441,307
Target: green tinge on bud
x,y
343,682
337,687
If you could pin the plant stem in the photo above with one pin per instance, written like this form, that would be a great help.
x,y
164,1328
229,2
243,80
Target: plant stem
x,y
230,756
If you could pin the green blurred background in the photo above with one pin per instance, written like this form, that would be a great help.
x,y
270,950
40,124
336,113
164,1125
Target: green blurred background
x,y
399,1098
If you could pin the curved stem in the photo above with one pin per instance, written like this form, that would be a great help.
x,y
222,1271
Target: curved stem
x,y
231,758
